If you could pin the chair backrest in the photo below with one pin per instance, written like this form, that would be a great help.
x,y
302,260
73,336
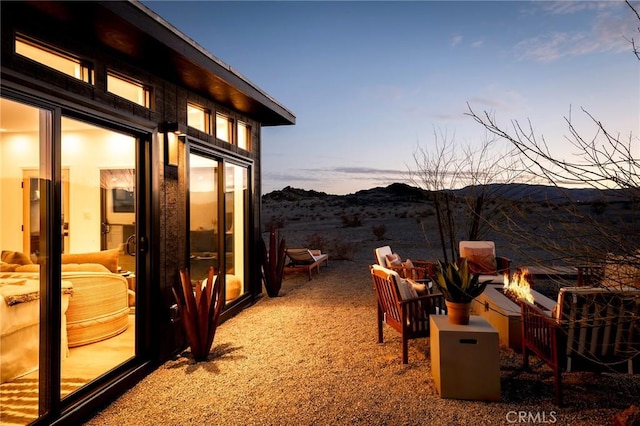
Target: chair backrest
x,y
381,255
463,245
300,255
386,288
481,256
600,323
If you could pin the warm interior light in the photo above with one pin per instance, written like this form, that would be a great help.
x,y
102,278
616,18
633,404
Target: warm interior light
x,y
135,92
172,149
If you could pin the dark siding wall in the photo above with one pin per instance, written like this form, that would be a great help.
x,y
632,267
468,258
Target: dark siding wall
x,y
168,219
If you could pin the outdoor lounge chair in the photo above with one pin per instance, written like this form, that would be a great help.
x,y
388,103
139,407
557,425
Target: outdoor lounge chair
x,y
409,268
592,329
481,258
401,308
305,260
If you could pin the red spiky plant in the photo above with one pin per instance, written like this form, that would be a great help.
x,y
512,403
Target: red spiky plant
x,y
273,262
199,311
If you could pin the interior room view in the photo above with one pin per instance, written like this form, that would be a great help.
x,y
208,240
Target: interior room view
x,y
98,271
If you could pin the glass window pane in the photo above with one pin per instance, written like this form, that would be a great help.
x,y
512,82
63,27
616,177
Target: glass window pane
x,y
244,136
223,128
127,89
55,60
22,224
203,216
197,118
236,202
99,215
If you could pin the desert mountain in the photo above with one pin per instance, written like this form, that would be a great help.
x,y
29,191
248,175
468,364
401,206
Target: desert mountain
x,y
400,192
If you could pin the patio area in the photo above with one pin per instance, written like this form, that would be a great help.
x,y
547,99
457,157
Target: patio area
x,y
311,356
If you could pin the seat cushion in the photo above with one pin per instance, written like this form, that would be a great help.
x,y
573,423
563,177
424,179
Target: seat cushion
x,y
15,257
393,259
108,258
481,260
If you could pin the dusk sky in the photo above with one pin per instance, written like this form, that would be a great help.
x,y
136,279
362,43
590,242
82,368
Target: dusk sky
x,y
369,81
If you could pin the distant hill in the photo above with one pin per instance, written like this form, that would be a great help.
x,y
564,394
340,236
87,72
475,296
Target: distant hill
x,y
400,192
541,193
294,194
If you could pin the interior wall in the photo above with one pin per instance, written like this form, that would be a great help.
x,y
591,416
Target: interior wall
x,y
18,152
85,153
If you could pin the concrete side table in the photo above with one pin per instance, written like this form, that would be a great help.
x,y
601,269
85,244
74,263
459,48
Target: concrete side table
x,y
465,359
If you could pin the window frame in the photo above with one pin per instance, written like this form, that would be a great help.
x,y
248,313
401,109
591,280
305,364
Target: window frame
x,y
248,139
207,117
146,90
229,125
85,68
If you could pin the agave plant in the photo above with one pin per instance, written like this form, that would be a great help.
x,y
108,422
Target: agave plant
x,y
457,283
199,311
273,262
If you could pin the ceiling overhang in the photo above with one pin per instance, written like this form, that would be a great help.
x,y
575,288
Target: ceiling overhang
x,y
151,43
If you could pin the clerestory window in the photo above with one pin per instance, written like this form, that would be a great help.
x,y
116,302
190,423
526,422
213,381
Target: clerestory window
x,y
55,59
128,89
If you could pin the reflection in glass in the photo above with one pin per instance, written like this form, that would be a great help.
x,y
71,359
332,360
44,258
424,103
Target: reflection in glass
x,y
22,183
101,218
235,207
203,216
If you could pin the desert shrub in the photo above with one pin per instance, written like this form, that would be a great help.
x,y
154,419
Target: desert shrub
x,y
317,241
353,220
425,213
380,231
275,223
343,250
598,207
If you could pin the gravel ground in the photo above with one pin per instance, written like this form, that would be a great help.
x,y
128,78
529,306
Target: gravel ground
x,y
311,357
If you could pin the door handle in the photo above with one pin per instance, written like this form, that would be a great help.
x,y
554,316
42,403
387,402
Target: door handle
x,y
131,245
144,245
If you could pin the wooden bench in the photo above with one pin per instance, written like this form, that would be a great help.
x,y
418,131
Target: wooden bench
x,y
409,316
593,329
305,260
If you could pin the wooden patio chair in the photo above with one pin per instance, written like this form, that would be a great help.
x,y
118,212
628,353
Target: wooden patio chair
x,y
593,329
482,259
418,270
401,308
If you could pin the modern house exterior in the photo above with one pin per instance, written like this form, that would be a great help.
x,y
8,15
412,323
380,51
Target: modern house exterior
x,y
127,153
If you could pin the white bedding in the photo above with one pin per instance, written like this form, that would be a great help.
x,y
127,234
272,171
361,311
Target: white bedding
x,y
19,326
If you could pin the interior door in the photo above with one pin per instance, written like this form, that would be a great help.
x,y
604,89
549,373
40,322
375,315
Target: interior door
x,y
31,211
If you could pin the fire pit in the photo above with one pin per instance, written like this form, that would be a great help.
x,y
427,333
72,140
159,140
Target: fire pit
x,y
502,310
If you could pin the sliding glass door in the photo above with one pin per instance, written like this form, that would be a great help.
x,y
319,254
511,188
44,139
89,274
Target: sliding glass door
x,y
25,187
68,218
218,208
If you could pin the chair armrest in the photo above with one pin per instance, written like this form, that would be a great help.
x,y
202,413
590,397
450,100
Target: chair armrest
x,y
531,313
539,333
429,266
411,272
429,303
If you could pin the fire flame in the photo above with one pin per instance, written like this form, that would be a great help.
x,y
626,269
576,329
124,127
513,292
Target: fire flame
x,y
518,286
